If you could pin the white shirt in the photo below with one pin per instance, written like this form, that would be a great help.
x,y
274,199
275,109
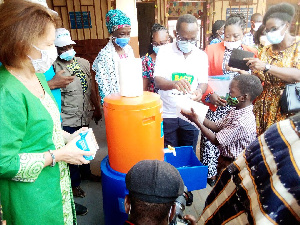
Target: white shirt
x,y
172,65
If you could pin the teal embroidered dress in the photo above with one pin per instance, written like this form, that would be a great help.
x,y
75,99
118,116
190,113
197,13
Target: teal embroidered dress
x,y
31,194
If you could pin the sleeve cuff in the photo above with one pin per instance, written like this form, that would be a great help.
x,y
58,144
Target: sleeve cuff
x,y
31,165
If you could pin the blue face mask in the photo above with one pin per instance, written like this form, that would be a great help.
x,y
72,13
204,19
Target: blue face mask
x,y
156,49
68,55
186,46
122,42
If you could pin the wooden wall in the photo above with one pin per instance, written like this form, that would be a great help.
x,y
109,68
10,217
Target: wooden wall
x,y
97,10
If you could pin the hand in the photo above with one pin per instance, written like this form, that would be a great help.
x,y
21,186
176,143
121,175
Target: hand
x,y
97,115
70,153
198,95
182,85
192,116
217,100
68,137
191,219
255,64
60,81
235,70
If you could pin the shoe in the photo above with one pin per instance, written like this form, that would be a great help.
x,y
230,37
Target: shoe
x,y
190,199
211,182
80,209
78,192
92,177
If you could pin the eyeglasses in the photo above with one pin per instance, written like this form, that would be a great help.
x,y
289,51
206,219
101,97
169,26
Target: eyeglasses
x,y
274,29
192,41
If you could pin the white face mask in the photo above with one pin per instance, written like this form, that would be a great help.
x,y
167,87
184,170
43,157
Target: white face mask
x,y
257,25
48,58
232,45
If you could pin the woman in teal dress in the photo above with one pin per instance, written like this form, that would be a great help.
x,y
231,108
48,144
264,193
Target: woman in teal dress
x,y
34,151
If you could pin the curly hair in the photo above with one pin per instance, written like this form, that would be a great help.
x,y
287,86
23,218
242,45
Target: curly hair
x,y
249,84
283,11
236,19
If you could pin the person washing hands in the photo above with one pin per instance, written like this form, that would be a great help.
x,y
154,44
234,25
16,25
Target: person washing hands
x,y
237,129
180,68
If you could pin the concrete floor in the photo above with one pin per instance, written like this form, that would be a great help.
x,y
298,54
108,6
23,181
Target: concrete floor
x,y
93,199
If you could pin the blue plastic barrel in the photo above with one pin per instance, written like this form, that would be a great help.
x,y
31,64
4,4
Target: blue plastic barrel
x,y
113,192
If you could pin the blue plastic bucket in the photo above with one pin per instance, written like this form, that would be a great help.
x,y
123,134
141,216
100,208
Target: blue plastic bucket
x,y
113,192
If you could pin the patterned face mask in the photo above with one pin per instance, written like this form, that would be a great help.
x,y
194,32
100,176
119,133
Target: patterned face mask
x,y
230,100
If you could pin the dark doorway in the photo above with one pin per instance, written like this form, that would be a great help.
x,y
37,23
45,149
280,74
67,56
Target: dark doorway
x,y
146,19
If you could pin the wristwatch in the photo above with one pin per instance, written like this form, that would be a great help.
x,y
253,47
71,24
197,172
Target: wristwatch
x,y
267,67
53,158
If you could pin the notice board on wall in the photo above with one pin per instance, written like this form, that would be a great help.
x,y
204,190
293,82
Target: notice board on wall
x,y
80,20
248,12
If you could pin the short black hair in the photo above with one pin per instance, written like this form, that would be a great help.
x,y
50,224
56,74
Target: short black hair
x,y
236,19
255,15
249,84
186,18
141,210
283,11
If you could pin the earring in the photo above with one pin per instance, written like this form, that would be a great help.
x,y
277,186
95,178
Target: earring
x,y
129,209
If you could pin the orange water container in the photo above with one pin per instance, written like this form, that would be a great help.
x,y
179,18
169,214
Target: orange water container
x,y
134,129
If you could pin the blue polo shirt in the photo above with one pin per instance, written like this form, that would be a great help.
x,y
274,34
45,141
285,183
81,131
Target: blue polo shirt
x,y
56,92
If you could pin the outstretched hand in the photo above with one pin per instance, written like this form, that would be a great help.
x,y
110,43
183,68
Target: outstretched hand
x,y
191,219
60,81
217,100
255,64
191,115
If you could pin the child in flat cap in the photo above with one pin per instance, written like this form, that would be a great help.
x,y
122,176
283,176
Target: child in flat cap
x,y
153,188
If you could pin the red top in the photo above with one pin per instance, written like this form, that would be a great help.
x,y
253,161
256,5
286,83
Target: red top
x,y
215,53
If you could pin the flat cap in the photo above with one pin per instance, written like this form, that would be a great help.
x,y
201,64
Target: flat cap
x,y
154,181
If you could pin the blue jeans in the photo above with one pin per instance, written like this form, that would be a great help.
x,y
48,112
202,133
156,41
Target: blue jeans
x,y
178,132
77,171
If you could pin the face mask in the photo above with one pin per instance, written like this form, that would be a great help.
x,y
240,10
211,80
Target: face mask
x,y
48,58
122,42
264,40
222,36
232,45
231,101
275,37
68,55
156,49
185,46
256,26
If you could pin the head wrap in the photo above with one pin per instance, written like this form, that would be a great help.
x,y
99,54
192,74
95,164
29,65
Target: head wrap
x,y
115,19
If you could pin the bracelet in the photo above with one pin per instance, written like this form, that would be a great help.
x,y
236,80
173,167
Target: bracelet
x,y
208,96
53,158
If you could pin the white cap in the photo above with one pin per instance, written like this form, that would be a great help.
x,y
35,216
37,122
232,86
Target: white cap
x,y
63,38
42,2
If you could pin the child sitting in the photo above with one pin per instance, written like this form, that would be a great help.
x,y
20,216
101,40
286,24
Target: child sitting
x,y
237,129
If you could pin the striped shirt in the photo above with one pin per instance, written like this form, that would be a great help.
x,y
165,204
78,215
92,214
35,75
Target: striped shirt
x,y
262,185
237,131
